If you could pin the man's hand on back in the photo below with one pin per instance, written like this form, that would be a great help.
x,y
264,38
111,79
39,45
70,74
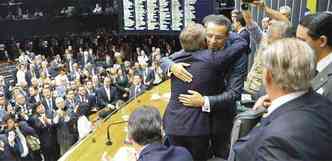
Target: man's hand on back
x,y
179,71
193,99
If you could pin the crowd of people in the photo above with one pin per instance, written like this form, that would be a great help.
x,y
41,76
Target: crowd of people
x,y
60,82
46,109
287,74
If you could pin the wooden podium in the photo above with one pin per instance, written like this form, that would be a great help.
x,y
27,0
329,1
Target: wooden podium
x,y
92,147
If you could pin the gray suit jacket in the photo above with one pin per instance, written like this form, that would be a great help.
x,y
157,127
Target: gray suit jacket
x,y
323,82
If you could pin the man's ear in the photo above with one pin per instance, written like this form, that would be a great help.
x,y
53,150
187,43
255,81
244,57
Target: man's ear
x,y
322,41
267,76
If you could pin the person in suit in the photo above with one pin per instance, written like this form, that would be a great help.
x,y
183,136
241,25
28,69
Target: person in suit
x,y
315,30
62,120
219,106
137,87
189,127
147,74
107,95
144,132
17,133
71,102
296,125
46,132
22,108
34,95
48,102
83,97
4,86
7,153
240,27
3,107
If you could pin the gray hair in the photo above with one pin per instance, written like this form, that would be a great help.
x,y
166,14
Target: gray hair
x,y
192,37
292,64
285,9
59,99
144,125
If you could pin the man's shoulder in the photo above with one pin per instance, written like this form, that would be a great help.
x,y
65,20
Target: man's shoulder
x,y
159,152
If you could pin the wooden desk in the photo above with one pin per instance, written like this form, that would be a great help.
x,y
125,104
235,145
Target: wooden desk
x,y
93,146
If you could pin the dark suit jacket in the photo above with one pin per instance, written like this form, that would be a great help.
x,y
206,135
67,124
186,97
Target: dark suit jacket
x,y
49,110
206,68
297,130
133,93
46,134
245,34
90,99
9,153
159,152
102,99
323,81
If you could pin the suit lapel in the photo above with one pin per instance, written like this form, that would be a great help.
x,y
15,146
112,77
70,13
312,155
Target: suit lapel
x,y
321,78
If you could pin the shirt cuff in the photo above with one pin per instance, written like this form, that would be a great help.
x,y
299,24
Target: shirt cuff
x,y
206,107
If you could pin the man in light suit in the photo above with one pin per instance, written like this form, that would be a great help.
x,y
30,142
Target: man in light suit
x,y
297,124
144,131
316,31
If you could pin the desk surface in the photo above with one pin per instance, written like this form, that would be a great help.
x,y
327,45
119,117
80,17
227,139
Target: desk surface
x,y
93,146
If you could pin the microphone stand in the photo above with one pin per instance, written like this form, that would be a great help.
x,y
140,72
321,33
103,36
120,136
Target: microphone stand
x,y
109,140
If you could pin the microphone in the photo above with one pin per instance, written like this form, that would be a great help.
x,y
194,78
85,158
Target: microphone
x,y
109,140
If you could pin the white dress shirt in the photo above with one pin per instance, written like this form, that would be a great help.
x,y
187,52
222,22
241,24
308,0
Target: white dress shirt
x,y
282,100
323,63
84,126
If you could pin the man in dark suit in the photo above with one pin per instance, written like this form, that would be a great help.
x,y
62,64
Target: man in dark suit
x,y
219,106
144,127
83,97
312,29
189,127
22,108
138,87
297,124
48,102
107,95
46,132
34,95
240,27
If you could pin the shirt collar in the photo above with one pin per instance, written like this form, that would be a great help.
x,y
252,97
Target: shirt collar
x,y
138,153
282,100
241,29
323,63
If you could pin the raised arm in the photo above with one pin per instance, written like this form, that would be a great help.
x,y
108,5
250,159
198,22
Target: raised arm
x,y
276,15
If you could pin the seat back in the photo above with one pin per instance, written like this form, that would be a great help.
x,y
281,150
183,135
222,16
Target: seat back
x,y
243,123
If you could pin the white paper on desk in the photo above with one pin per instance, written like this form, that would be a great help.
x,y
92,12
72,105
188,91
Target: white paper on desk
x,y
125,154
166,95
155,96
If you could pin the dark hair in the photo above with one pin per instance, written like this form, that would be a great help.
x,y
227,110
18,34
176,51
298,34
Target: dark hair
x,y
9,117
320,25
218,20
34,107
144,125
306,20
83,109
240,19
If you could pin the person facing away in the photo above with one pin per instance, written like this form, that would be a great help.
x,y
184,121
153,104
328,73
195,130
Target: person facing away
x,y
145,133
297,125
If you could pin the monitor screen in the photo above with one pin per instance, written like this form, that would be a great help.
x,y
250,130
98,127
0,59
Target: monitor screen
x,y
162,16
